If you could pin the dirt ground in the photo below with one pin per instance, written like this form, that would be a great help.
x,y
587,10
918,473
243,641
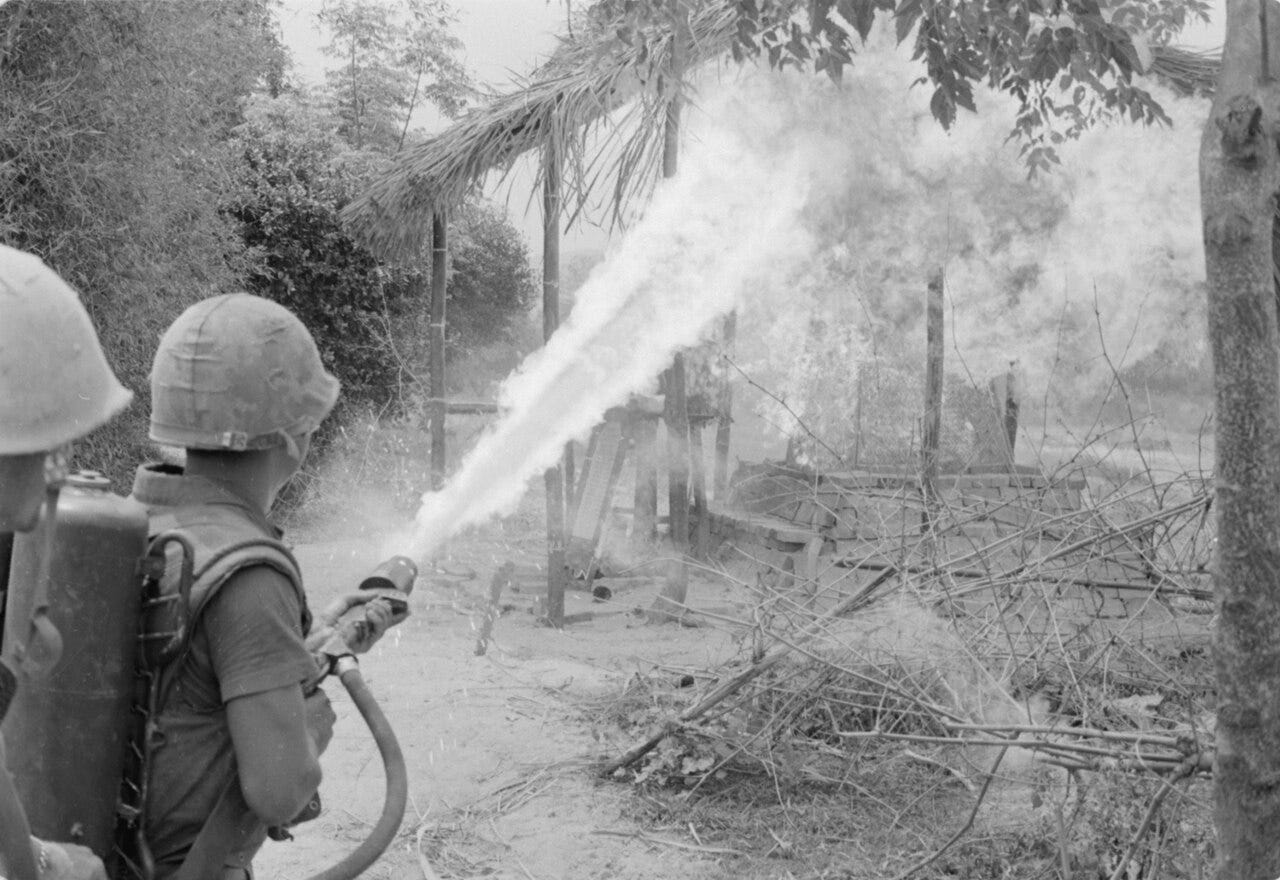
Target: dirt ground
x,y
498,747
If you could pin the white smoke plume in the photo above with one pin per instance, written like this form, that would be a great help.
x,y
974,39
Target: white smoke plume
x,y
1115,228
797,198
729,220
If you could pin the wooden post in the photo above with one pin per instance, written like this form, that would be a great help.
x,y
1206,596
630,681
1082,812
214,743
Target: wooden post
x,y
931,434
644,433
677,419
1011,410
552,479
439,282
697,459
725,409
670,603
677,410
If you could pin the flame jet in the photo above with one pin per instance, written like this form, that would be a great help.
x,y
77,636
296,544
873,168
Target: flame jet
x,y
729,221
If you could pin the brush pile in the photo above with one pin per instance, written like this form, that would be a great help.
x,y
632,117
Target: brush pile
x,y
999,655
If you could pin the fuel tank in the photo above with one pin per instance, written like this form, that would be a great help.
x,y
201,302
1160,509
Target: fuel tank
x,y
66,730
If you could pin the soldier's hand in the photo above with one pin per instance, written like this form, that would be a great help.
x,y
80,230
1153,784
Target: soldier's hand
x,y
320,719
69,861
379,616
393,600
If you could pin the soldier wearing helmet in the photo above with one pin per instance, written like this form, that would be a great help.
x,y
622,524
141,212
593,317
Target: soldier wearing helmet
x,y
237,382
55,386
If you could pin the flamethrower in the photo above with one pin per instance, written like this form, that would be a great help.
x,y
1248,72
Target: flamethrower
x,y
71,726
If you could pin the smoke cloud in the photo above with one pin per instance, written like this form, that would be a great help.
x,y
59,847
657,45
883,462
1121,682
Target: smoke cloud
x,y
800,200
1098,264
729,220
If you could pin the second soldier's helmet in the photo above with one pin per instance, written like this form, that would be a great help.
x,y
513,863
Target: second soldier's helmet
x,y
237,372
55,384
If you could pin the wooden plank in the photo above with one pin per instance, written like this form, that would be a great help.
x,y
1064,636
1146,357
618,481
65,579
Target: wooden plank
x,y
595,487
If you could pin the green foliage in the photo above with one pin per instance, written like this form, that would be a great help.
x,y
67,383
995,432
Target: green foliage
x,y
1069,63
111,163
491,284
293,180
391,58
368,318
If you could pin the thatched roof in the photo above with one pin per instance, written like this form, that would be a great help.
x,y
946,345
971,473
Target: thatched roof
x,y
1187,70
571,97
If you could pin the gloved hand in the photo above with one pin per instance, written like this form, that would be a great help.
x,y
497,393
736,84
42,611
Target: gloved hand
x,y
320,719
68,861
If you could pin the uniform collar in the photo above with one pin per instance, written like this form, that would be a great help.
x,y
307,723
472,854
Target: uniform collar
x,y
157,484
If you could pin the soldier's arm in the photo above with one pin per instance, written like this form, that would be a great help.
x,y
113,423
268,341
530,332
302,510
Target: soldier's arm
x,y
256,648
279,763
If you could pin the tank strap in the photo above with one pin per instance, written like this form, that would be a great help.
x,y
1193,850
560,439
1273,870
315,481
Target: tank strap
x,y
208,580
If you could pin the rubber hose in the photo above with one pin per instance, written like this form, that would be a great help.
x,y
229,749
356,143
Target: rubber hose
x,y
397,793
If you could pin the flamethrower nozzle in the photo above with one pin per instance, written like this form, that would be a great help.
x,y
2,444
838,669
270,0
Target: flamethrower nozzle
x,y
397,573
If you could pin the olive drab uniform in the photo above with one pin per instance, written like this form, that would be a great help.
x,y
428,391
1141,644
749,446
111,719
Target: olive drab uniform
x,y
192,759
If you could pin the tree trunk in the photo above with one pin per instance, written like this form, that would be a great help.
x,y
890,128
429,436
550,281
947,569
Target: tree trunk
x,y
1238,179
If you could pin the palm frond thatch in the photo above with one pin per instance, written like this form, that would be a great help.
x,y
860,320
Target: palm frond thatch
x,y
572,100
569,100
1188,71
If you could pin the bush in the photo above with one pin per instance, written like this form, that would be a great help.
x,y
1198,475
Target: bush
x,y
111,164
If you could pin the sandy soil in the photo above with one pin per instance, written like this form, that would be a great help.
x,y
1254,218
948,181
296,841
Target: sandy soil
x,y
499,747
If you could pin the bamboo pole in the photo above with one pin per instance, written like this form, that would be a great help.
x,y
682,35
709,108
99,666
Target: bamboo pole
x,y
725,410
677,410
931,434
677,419
670,603
698,473
1011,405
552,479
439,282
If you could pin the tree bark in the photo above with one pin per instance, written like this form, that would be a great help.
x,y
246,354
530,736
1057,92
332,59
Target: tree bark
x,y
1239,176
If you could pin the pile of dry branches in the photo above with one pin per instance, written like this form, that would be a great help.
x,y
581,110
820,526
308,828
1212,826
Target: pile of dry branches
x,y
1020,652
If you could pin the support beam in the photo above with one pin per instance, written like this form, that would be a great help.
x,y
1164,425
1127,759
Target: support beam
x,y
439,282
724,407
677,419
553,479
931,435
644,434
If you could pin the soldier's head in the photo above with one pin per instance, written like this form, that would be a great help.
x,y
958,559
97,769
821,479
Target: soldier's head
x,y
238,375
55,385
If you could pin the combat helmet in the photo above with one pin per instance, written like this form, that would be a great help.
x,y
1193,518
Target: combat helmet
x,y
56,383
237,372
